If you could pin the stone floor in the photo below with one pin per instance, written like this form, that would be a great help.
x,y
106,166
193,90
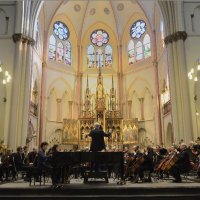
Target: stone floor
x,y
77,183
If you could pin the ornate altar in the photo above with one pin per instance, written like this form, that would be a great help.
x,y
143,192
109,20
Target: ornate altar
x,y
130,131
70,131
102,108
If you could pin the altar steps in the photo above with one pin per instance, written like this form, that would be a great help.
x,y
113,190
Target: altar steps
x,y
102,193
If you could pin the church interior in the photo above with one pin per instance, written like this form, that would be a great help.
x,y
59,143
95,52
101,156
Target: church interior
x,y
133,66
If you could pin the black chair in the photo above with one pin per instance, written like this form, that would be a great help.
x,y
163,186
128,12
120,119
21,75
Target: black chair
x,y
36,174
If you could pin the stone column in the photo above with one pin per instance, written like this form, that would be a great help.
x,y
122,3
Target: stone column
x,y
20,91
15,97
129,108
142,107
120,79
27,89
58,109
179,88
158,103
79,91
79,81
42,104
70,109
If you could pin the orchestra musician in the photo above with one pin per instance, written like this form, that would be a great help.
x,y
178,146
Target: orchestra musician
x,y
8,164
157,155
131,160
26,158
45,162
19,158
33,157
182,165
146,165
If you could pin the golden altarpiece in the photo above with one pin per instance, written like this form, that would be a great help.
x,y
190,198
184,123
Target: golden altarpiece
x,y
102,108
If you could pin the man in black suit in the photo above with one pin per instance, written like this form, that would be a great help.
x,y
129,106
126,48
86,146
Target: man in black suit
x,y
97,135
98,143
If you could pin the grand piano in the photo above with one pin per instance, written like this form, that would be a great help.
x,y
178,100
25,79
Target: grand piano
x,y
66,161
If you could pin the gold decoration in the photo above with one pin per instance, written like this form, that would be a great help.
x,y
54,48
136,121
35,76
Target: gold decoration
x,y
179,35
20,37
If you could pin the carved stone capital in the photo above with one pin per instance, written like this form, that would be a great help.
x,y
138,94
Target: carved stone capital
x,y
59,100
141,99
44,65
23,38
179,35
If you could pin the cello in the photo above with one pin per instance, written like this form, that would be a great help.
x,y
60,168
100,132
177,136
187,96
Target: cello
x,y
170,162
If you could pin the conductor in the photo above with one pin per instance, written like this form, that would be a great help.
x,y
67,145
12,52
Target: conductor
x,y
97,136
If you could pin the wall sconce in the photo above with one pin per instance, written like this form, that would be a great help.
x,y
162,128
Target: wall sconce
x,y
192,75
6,77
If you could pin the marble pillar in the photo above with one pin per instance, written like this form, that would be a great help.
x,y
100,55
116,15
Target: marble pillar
x,y
179,87
70,109
59,113
157,101
142,108
20,91
129,108
43,104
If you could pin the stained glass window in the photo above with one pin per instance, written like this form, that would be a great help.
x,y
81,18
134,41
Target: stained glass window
x,y
139,51
91,56
60,52
61,30
131,52
52,48
99,37
108,56
99,58
138,29
147,46
68,55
